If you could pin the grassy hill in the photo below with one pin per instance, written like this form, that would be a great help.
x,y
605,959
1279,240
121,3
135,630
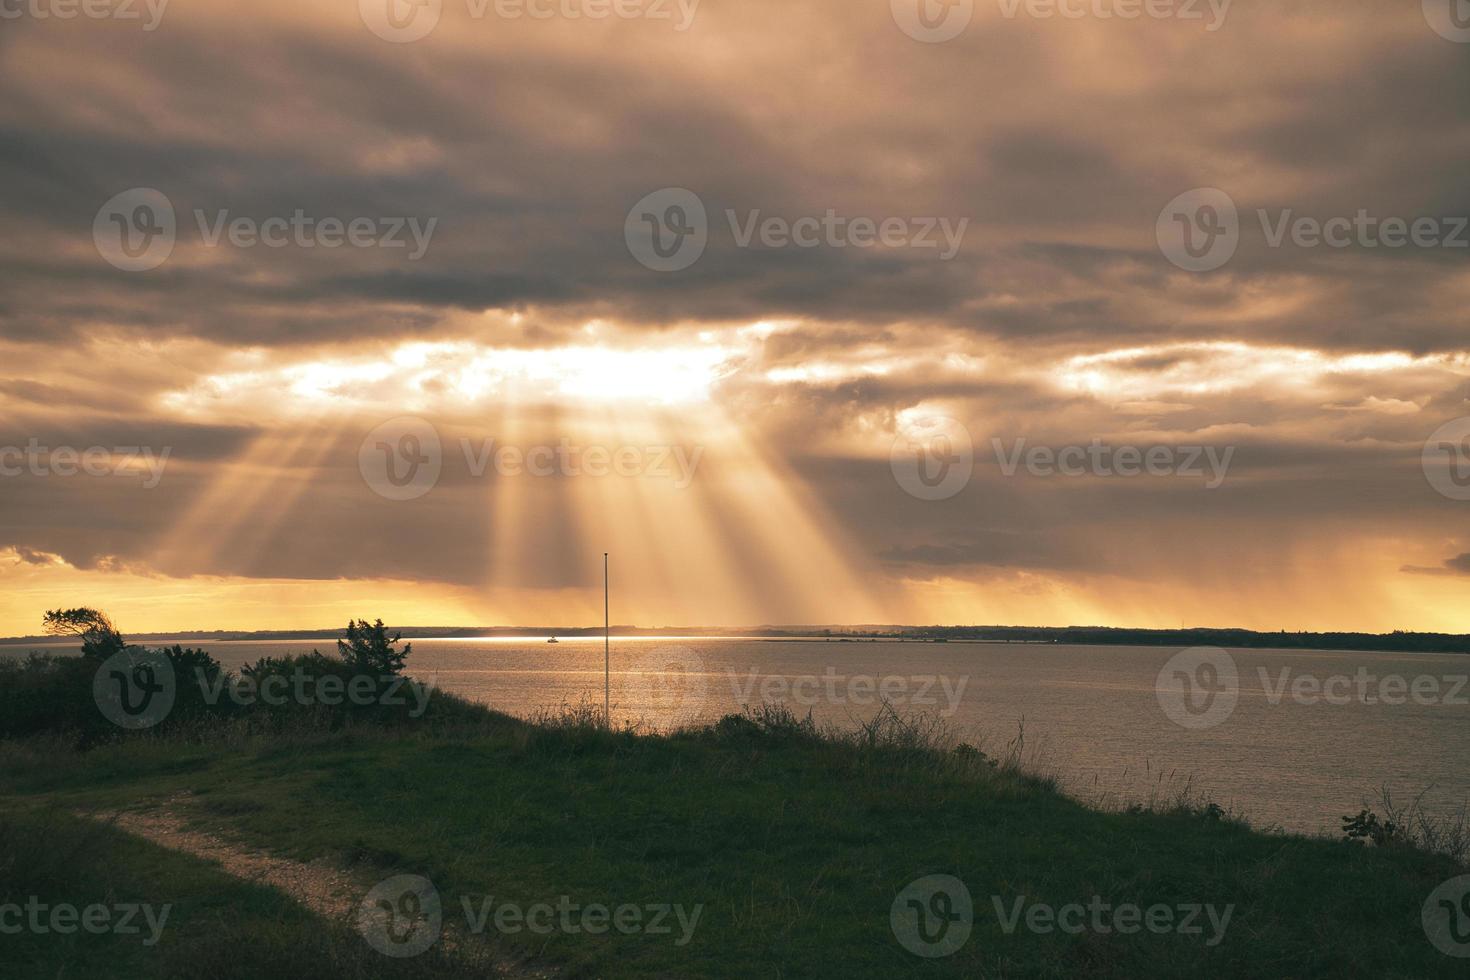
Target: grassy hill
x,y
799,850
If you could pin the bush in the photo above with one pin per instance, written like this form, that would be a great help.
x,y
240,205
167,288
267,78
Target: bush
x,y
45,694
54,695
369,648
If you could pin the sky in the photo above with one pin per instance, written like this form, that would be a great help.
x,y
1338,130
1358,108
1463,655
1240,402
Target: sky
x,y
837,311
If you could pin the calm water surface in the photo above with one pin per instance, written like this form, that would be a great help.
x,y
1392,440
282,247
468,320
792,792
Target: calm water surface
x,y
1092,713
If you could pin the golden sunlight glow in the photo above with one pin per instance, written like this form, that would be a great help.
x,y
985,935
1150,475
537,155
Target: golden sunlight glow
x,y
423,377
1137,373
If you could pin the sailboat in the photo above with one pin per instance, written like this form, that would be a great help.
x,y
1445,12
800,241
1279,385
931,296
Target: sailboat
x,y
553,640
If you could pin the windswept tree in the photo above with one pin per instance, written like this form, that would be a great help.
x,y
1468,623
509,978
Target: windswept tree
x,y
100,639
370,648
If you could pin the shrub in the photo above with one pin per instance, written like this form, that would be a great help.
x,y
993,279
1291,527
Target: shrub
x,y
369,648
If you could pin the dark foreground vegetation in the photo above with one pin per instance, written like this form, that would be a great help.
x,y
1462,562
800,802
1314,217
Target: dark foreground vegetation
x,y
793,842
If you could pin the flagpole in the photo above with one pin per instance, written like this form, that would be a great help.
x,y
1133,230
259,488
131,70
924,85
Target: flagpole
x,y
606,652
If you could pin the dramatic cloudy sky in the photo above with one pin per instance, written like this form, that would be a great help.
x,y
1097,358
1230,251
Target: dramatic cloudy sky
x,y
759,410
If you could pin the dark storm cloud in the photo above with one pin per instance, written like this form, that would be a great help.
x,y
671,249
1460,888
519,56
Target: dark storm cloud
x,y
528,144
530,156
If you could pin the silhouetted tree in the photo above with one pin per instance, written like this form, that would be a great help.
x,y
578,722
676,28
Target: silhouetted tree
x,y
369,648
100,639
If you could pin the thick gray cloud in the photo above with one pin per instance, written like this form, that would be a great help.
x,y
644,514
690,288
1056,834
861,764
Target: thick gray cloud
x,y
1057,321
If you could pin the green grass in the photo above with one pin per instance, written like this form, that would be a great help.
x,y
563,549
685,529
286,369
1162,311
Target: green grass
x,y
209,925
794,844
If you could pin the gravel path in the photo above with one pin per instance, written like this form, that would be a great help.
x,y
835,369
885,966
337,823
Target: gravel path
x,y
323,888
320,886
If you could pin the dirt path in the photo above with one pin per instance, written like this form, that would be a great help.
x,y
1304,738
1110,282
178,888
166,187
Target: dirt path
x,y
324,889
320,886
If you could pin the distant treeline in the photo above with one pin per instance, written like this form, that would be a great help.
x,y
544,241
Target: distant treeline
x,y
1397,641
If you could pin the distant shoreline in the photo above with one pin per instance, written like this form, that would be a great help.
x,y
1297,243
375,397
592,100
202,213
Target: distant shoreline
x,y
1396,642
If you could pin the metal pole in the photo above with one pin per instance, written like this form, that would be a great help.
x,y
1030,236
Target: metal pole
x,y
606,652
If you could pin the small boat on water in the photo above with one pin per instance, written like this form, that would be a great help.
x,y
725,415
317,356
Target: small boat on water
x,y
553,640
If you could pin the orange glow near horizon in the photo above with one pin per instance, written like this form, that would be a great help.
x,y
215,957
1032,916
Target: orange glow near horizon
x,y
748,541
